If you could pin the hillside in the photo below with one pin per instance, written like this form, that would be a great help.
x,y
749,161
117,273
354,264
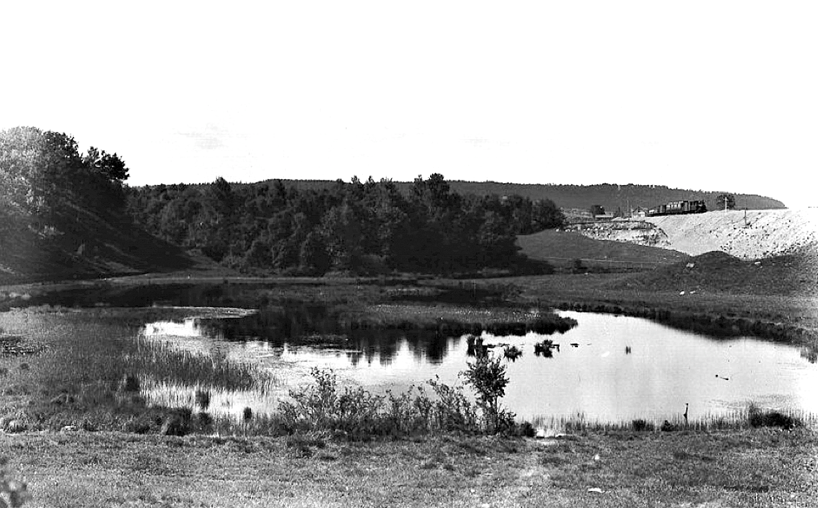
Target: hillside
x,y
561,248
794,274
610,196
87,246
752,235
62,212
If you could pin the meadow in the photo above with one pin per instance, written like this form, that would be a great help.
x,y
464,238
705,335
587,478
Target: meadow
x,y
79,432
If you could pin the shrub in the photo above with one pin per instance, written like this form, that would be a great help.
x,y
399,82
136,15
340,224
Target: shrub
x,y
667,427
759,418
641,425
177,423
202,398
357,413
488,379
452,410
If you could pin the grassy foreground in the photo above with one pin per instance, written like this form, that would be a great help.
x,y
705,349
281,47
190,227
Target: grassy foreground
x,y
735,468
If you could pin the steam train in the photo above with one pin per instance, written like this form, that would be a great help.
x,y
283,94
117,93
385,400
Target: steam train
x,y
678,207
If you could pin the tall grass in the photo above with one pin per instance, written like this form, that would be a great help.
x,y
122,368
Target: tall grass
x,y
751,416
90,365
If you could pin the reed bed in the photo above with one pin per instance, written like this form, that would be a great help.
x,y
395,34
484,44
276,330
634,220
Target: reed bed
x,y
749,417
91,369
216,401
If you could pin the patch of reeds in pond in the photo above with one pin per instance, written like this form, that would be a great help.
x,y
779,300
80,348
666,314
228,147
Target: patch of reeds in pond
x,y
165,361
456,320
749,417
217,402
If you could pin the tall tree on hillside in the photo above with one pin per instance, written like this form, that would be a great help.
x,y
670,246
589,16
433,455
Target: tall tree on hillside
x,y
41,172
725,202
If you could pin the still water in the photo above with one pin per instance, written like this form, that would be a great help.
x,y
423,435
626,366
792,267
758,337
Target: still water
x,y
609,368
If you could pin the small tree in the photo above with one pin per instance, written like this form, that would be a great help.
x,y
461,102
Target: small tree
x,y
488,378
725,202
597,210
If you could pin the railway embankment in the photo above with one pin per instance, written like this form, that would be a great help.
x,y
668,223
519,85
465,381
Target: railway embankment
x,y
748,235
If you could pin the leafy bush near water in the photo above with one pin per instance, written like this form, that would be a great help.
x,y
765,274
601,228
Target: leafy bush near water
x,y
357,413
760,418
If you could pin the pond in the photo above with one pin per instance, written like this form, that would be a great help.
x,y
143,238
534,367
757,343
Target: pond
x,y
607,369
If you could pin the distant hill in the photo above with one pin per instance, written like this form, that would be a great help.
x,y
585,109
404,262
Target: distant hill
x,y
610,196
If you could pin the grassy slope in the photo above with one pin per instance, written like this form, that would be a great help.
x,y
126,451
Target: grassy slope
x,y
561,248
717,272
86,245
734,468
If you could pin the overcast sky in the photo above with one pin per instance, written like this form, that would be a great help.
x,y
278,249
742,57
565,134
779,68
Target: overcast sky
x,y
711,95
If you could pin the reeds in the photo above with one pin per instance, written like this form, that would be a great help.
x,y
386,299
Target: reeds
x,y
750,417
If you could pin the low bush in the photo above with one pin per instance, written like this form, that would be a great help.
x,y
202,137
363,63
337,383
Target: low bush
x,y
358,414
642,425
760,418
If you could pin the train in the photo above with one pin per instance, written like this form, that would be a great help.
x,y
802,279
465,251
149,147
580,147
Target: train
x,y
678,207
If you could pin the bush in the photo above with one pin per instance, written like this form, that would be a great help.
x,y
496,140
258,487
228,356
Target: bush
x,y
759,418
641,425
357,413
488,378
202,398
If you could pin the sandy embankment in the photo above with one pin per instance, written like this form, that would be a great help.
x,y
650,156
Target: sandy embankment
x,y
752,234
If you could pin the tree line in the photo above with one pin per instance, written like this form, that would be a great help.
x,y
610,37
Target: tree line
x,y
359,227
44,177
48,187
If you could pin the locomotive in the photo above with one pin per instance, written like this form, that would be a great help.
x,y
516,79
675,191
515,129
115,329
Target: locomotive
x,y
678,207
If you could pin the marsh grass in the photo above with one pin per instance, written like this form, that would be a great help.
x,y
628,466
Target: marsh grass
x,y
92,371
749,417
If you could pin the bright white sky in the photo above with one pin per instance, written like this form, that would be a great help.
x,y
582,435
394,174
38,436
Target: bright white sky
x,y
713,95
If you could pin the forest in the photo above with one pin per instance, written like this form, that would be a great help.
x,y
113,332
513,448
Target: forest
x,y
350,227
55,199
45,181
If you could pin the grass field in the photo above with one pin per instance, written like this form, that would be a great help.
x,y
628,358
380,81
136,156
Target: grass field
x,y
626,469
75,378
561,248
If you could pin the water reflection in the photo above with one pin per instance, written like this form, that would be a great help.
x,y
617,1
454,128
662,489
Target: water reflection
x,y
608,368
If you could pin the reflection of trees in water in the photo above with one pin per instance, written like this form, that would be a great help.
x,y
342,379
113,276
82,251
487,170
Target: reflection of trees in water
x,y
295,324
275,325
810,353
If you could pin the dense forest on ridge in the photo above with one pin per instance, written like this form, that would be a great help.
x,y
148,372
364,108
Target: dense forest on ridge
x,y
360,227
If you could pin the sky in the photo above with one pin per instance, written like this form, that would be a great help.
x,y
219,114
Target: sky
x,y
712,95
